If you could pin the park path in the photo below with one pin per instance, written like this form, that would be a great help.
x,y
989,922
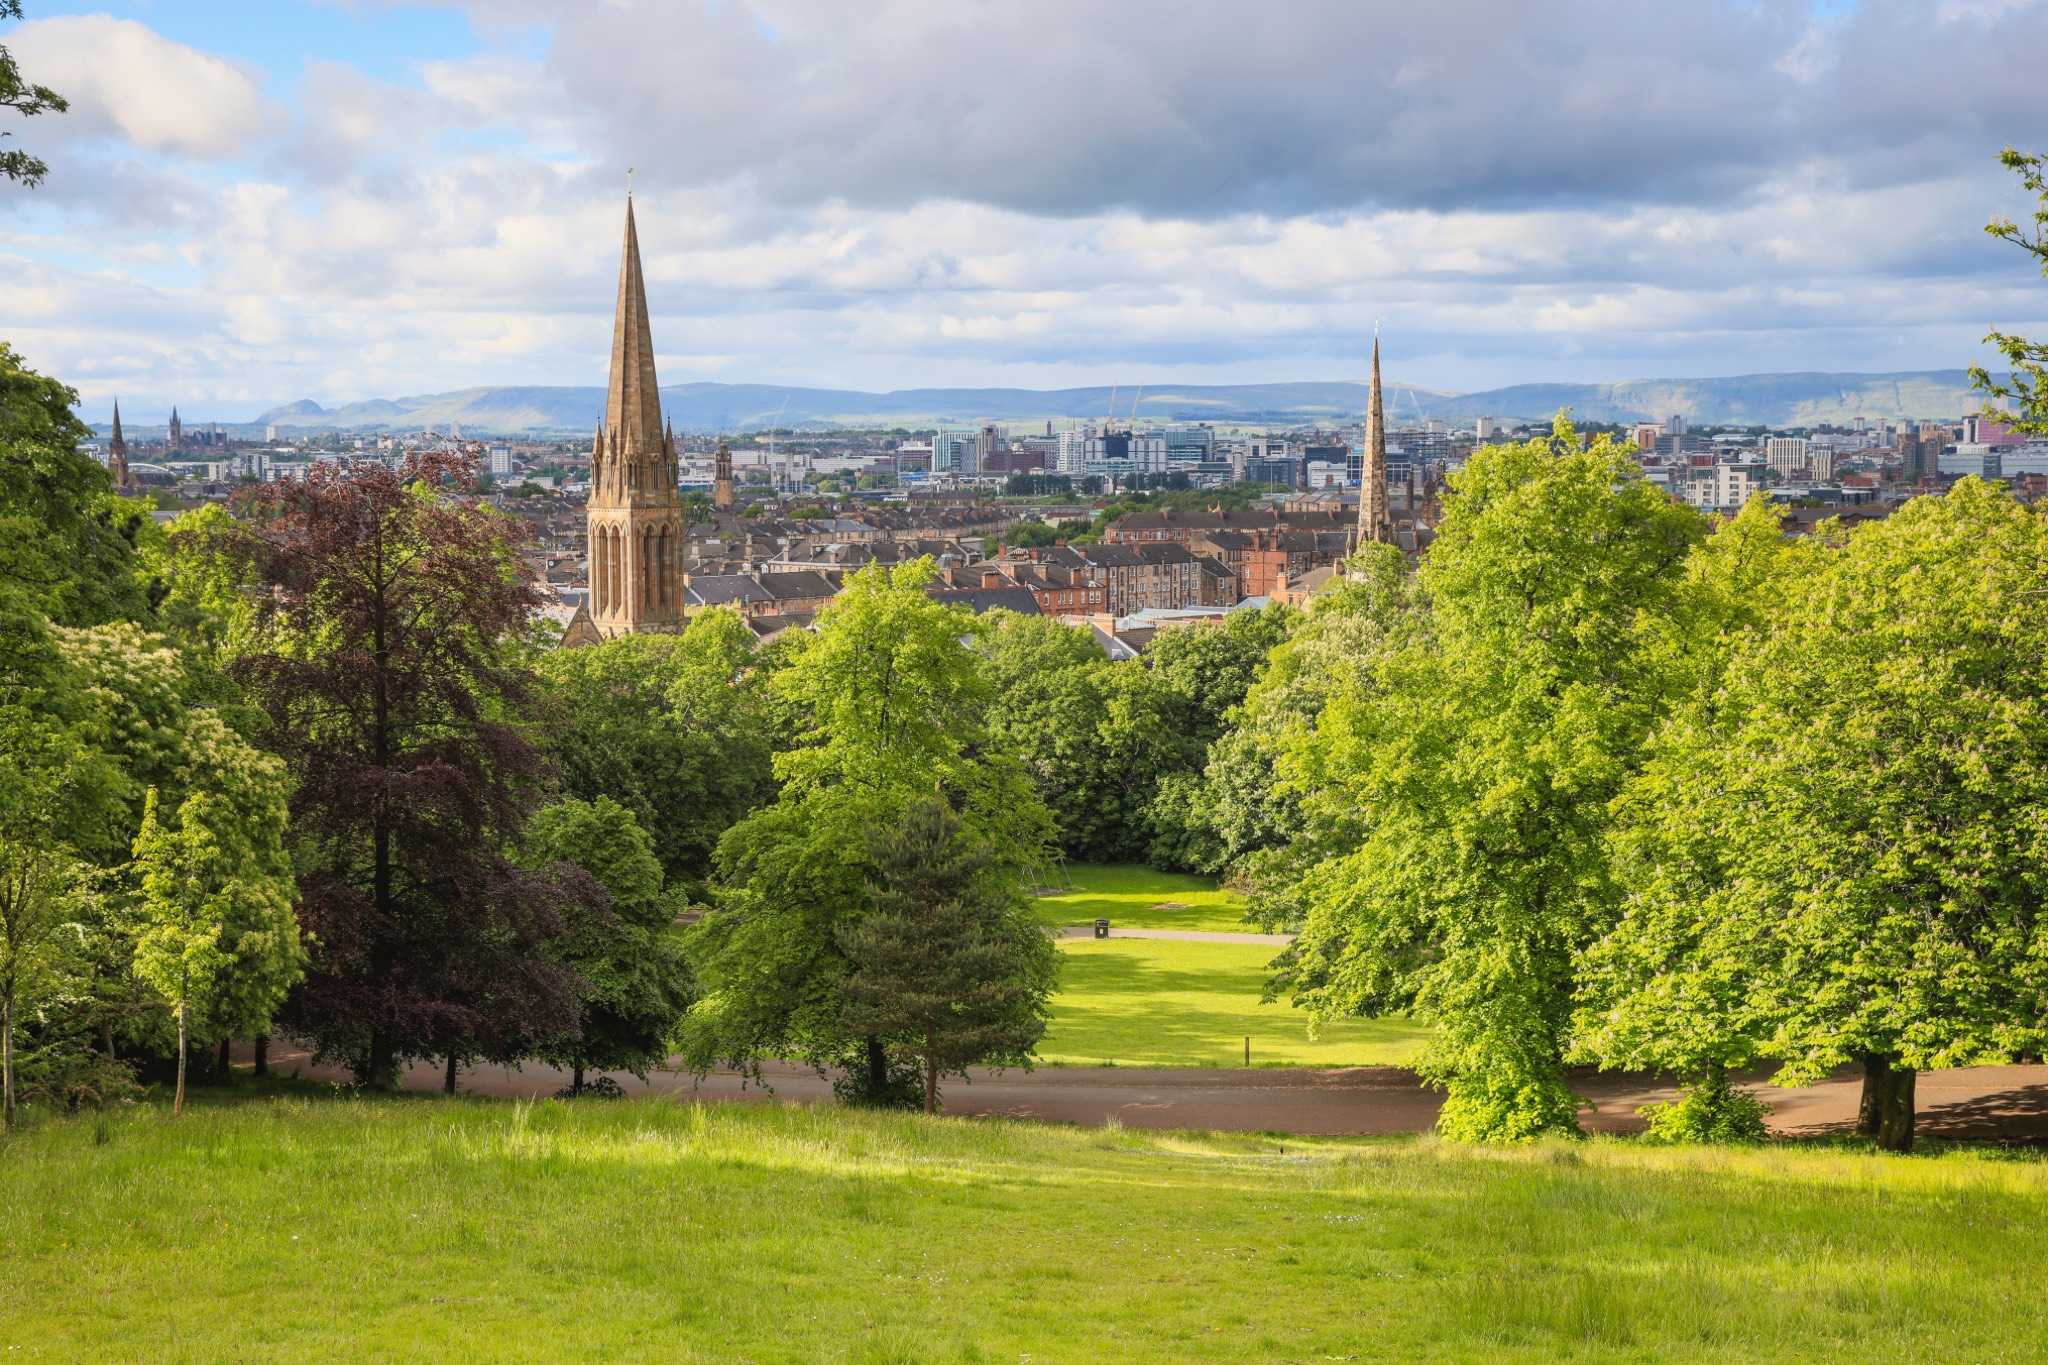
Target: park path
x,y
1182,935
2002,1103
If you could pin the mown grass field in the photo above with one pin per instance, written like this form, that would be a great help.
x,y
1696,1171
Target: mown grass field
x,y
1158,1002
1136,897
292,1229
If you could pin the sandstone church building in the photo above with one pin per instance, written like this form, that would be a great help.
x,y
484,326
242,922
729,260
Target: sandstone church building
x,y
635,510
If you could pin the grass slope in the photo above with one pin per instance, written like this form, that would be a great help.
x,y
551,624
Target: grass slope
x,y
1135,897
325,1229
1157,1002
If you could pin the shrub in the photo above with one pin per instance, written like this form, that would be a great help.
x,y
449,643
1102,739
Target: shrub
x,y
1711,1111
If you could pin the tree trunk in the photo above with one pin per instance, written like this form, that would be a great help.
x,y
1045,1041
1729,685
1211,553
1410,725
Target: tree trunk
x,y
7,1065
178,1098
448,1084
878,1070
262,1049
1885,1112
226,1061
1875,1070
576,1079
380,1072
1895,1127
931,1075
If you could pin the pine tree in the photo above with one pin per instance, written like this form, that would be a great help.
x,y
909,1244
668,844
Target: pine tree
x,y
948,968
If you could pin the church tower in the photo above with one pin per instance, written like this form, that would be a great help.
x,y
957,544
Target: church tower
x,y
721,480
176,438
635,512
1375,515
117,455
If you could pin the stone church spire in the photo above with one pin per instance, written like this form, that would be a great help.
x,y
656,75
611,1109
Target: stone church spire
x,y
117,452
632,410
1375,516
635,512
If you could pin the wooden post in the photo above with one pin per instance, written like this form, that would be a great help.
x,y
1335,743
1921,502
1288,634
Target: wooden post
x,y
1247,1049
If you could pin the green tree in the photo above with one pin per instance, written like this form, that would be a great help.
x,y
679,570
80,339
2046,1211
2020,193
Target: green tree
x,y
1669,987
60,795
1026,535
28,101
893,700
2027,383
1469,775
948,968
1203,674
392,665
626,946
1048,697
214,909
1871,786
64,539
678,729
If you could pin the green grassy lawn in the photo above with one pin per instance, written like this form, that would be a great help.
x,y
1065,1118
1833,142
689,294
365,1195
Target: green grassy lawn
x,y
1158,1002
293,1229
1135,897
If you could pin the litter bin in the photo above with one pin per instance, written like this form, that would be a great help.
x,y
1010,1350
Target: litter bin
x,y
1102,928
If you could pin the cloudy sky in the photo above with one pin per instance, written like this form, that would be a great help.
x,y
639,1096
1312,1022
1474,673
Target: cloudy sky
x,y
254,201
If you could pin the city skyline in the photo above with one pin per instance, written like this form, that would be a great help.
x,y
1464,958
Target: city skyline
x,y
345,202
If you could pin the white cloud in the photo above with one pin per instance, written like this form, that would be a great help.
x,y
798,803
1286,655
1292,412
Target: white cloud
x,y
815,210
127,80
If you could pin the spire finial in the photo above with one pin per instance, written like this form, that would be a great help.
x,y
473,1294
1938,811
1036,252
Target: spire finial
x,y
629,182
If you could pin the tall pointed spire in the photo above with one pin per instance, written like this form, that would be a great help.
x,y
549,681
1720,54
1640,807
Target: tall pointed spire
x,y
1375,516
634,514
632,413
117,452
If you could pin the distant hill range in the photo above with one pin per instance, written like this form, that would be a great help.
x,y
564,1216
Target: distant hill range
x,y
1776,400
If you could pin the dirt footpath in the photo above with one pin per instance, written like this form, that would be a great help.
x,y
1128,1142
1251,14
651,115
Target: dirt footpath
x,y
2005,1103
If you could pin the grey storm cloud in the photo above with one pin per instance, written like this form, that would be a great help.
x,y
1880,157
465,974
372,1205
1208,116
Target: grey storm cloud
x,y
1186,109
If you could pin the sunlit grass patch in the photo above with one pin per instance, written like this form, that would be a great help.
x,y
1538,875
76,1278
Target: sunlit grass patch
x,y
314,1228
1162,1002
1136,897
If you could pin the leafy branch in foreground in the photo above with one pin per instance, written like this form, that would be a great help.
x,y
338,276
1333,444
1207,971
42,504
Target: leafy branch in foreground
x,y
28,101
2027,384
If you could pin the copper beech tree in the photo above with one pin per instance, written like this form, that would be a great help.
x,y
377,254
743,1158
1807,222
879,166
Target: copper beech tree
x,y
388,653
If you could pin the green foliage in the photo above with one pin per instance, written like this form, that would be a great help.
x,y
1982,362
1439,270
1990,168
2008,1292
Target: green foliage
x,y
1026,535
27,100
678,729
1839,856
947,968
1117,750
1253,799
893,702
1461,786
625,946
65,540
2027,383
213,918
1710,1112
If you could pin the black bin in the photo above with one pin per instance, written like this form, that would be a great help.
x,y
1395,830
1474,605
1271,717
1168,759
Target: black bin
x,y
1102,928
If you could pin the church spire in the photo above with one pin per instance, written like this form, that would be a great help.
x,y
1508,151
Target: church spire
x,y
117,451
1375,517
634,517
632,413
